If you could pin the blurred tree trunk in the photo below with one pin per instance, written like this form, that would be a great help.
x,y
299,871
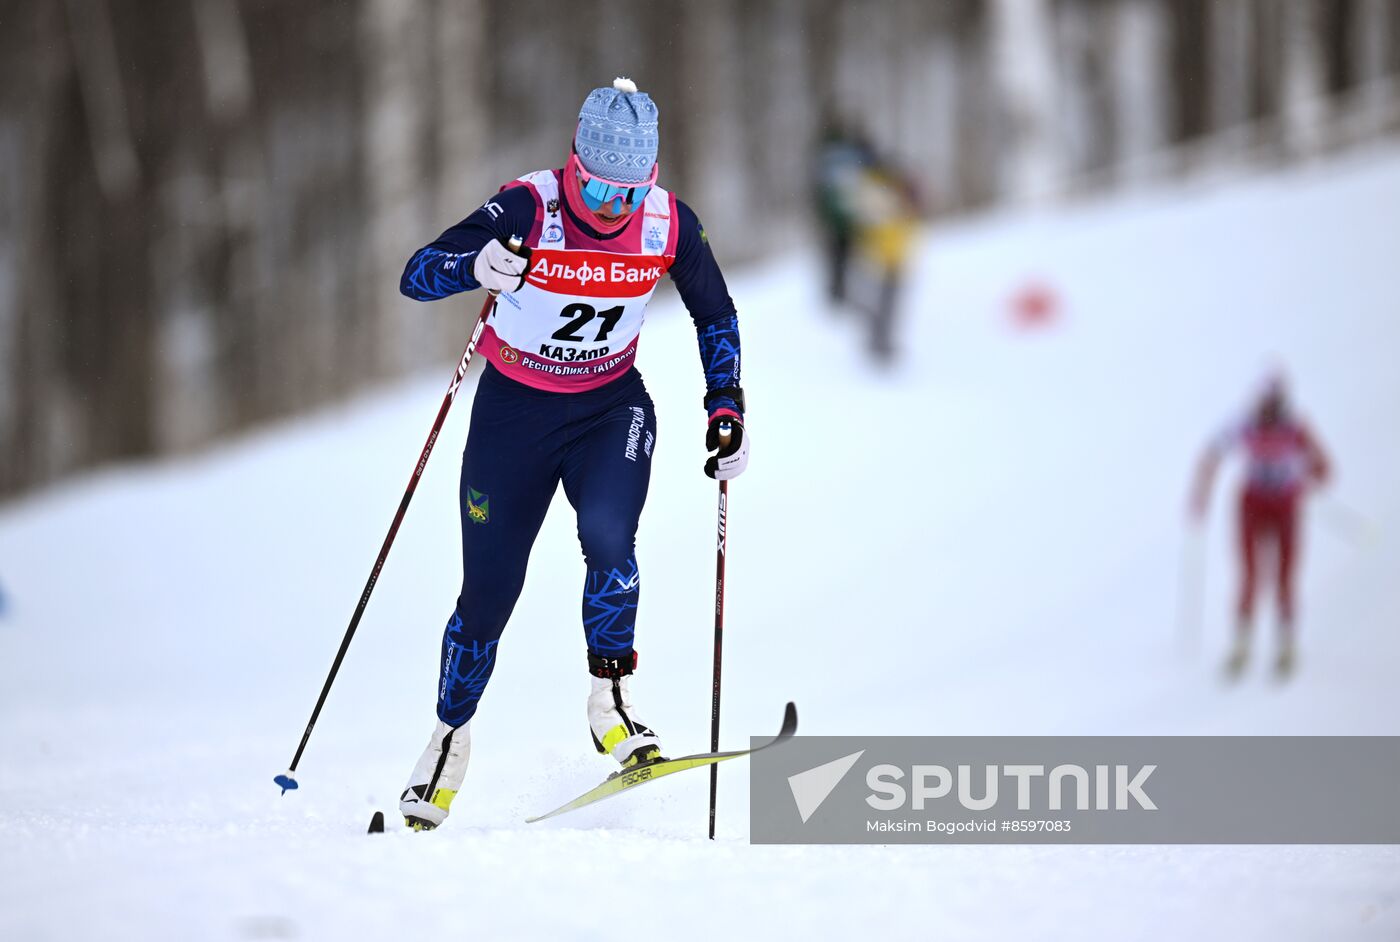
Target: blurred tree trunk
x,y
1335,29
1087,117
775,61
1140,76
220,225
1303,107
1371,35
458,178
1370,38
1231,54
936,90
822,28
1021,38
981,141
108,329
35,82
1392,58
1190,61
713,124
1266,92
398,52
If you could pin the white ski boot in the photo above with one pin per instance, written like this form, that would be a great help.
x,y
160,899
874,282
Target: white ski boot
x,y
617,731
1238,659
437,777
1286,660
1239,653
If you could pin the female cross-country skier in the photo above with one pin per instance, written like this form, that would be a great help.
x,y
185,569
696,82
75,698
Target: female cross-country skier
x,y
1284,460
561,400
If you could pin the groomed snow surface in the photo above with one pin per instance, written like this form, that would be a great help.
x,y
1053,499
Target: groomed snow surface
x,y
987,541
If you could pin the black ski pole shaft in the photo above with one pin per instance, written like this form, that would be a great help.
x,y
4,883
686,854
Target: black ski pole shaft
x,y
288,780
719,638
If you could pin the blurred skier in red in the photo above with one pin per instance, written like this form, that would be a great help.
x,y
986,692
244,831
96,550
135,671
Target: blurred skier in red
x,y
1284,461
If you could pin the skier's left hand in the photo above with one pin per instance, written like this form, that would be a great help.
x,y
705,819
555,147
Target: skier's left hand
x,y
726,433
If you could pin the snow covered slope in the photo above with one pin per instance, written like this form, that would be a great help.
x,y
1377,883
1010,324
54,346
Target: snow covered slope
x,y
986,542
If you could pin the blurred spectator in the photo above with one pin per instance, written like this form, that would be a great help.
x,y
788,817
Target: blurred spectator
x,y
884,210
864,202
1284,459
842,155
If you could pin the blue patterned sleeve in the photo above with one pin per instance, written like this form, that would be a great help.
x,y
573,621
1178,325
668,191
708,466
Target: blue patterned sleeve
x,y
701,286
444,266
719,354
434,273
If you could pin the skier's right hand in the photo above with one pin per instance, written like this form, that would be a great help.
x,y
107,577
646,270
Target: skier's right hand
x,y
499,268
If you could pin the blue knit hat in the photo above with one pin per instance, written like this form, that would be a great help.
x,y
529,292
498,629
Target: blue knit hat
x,y
616,137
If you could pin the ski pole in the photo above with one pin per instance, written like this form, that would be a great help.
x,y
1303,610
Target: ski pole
x,y
719,634
1190,592
1347,523
288,779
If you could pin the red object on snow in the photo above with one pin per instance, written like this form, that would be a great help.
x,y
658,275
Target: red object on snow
x,y
1035,305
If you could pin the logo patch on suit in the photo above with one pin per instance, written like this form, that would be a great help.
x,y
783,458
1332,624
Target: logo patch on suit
x,y
553,233
509,355
653,239
478,506
552,207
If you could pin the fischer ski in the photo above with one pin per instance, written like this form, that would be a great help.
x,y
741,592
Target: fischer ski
x,y
626,779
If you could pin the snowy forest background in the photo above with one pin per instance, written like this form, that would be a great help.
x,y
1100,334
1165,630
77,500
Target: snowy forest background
x,y
205,205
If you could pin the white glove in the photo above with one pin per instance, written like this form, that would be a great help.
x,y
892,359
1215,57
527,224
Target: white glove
x,y
499,268
726,434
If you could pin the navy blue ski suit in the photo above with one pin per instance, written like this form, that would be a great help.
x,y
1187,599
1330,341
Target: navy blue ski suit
x,y
524,441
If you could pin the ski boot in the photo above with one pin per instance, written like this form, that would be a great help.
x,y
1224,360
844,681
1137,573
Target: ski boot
x,y
616,729
1239,657
1239,654
437,777
1285,661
